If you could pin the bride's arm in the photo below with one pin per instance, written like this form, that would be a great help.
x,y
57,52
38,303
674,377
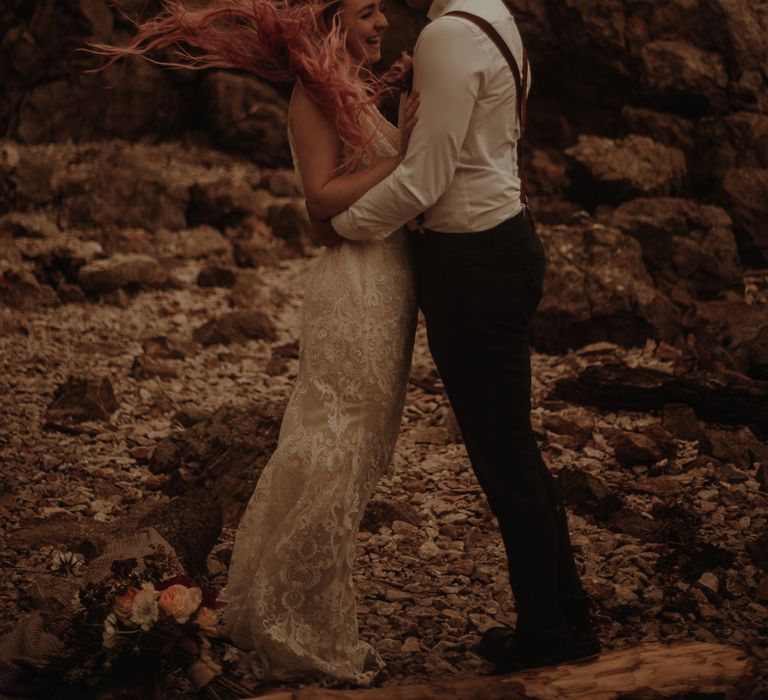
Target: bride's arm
x,y
318,150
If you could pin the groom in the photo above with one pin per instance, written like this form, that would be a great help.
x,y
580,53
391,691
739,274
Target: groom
x,y
479,267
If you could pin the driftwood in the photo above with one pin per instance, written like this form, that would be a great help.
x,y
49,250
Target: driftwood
x,y
644,672
719,398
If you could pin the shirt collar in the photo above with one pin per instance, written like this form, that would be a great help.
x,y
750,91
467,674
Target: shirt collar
x,y
439,8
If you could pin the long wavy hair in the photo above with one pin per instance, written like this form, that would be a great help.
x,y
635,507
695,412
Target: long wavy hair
x,y
278,40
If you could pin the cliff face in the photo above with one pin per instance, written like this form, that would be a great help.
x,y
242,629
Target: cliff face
x,y
689,76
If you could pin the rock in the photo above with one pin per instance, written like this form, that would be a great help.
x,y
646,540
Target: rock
x,y
635,448
681,421
283,183
721,398
684,240
739,34
289,351
80,399
741,329
250,292
167,348
236,327
744,194
28,225
709,581
393,595
255,252
125,186
223,454
226,203
429,550
187,417
596,288
761,593
683,77
737,140
141,98
615,170
19,289
380,514
410,646
216,276
587,494
276,366
668,129
740,448
59,264
758,550
591,497
145,367
246,115
121,270
201,242
574,423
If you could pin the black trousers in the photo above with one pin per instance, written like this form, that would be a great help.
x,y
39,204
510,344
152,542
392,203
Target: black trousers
x,y
478,292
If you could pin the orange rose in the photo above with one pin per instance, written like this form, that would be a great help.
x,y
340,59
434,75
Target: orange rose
x,y
124,604
180,602
207,620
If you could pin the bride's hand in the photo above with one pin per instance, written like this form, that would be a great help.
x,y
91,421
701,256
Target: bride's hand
x,y
407,118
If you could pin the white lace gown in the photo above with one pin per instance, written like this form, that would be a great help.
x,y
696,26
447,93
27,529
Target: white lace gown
x,y
290,595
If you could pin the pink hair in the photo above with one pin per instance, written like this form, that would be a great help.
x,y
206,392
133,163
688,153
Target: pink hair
x,y
278,40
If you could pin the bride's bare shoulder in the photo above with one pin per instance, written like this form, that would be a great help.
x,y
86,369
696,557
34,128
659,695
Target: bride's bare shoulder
x,y
304,111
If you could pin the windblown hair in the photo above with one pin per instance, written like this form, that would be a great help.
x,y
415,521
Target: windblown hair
x,y
278,40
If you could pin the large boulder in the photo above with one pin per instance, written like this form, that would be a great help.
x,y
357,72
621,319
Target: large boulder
x,y
742,329
246,115
48,95
684,77
744,194
598,288
739,139
685,244
663,127
615,170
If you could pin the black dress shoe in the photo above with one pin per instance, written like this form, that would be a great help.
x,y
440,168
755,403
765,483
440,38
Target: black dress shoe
x,y
509,654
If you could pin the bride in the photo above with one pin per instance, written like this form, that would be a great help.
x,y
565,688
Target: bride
x,y
290,591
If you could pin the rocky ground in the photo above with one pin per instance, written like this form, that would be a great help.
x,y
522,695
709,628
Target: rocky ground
x,y
667,513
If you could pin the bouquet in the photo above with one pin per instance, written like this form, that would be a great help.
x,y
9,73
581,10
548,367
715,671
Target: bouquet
x,y
399,77
142,622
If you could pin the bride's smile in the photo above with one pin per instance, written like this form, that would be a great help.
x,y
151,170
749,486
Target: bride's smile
x,y
365,23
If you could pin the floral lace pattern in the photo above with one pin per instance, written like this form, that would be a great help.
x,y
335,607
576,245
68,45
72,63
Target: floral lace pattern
x,y
290,590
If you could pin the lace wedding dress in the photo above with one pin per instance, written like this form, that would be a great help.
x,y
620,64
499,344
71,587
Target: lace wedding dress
x,y
290,595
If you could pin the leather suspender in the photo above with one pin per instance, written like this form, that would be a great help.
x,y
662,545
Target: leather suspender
x,y
521,82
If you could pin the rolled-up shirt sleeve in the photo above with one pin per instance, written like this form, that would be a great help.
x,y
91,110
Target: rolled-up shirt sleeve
x,y
448,72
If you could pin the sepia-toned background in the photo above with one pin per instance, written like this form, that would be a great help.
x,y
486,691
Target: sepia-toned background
x,y
153,242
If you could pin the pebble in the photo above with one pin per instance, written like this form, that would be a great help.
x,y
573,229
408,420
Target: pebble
x,y
429,550
410,646
709,581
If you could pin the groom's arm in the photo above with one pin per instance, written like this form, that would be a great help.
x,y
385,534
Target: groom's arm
x,y
448,71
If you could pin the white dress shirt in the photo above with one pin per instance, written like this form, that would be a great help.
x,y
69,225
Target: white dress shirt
x,y
461,166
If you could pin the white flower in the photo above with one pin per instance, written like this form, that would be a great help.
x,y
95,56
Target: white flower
x,y
145,609
180,602
109,635
67,563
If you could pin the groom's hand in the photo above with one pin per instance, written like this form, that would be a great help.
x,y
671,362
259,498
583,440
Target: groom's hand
x,y
324,231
